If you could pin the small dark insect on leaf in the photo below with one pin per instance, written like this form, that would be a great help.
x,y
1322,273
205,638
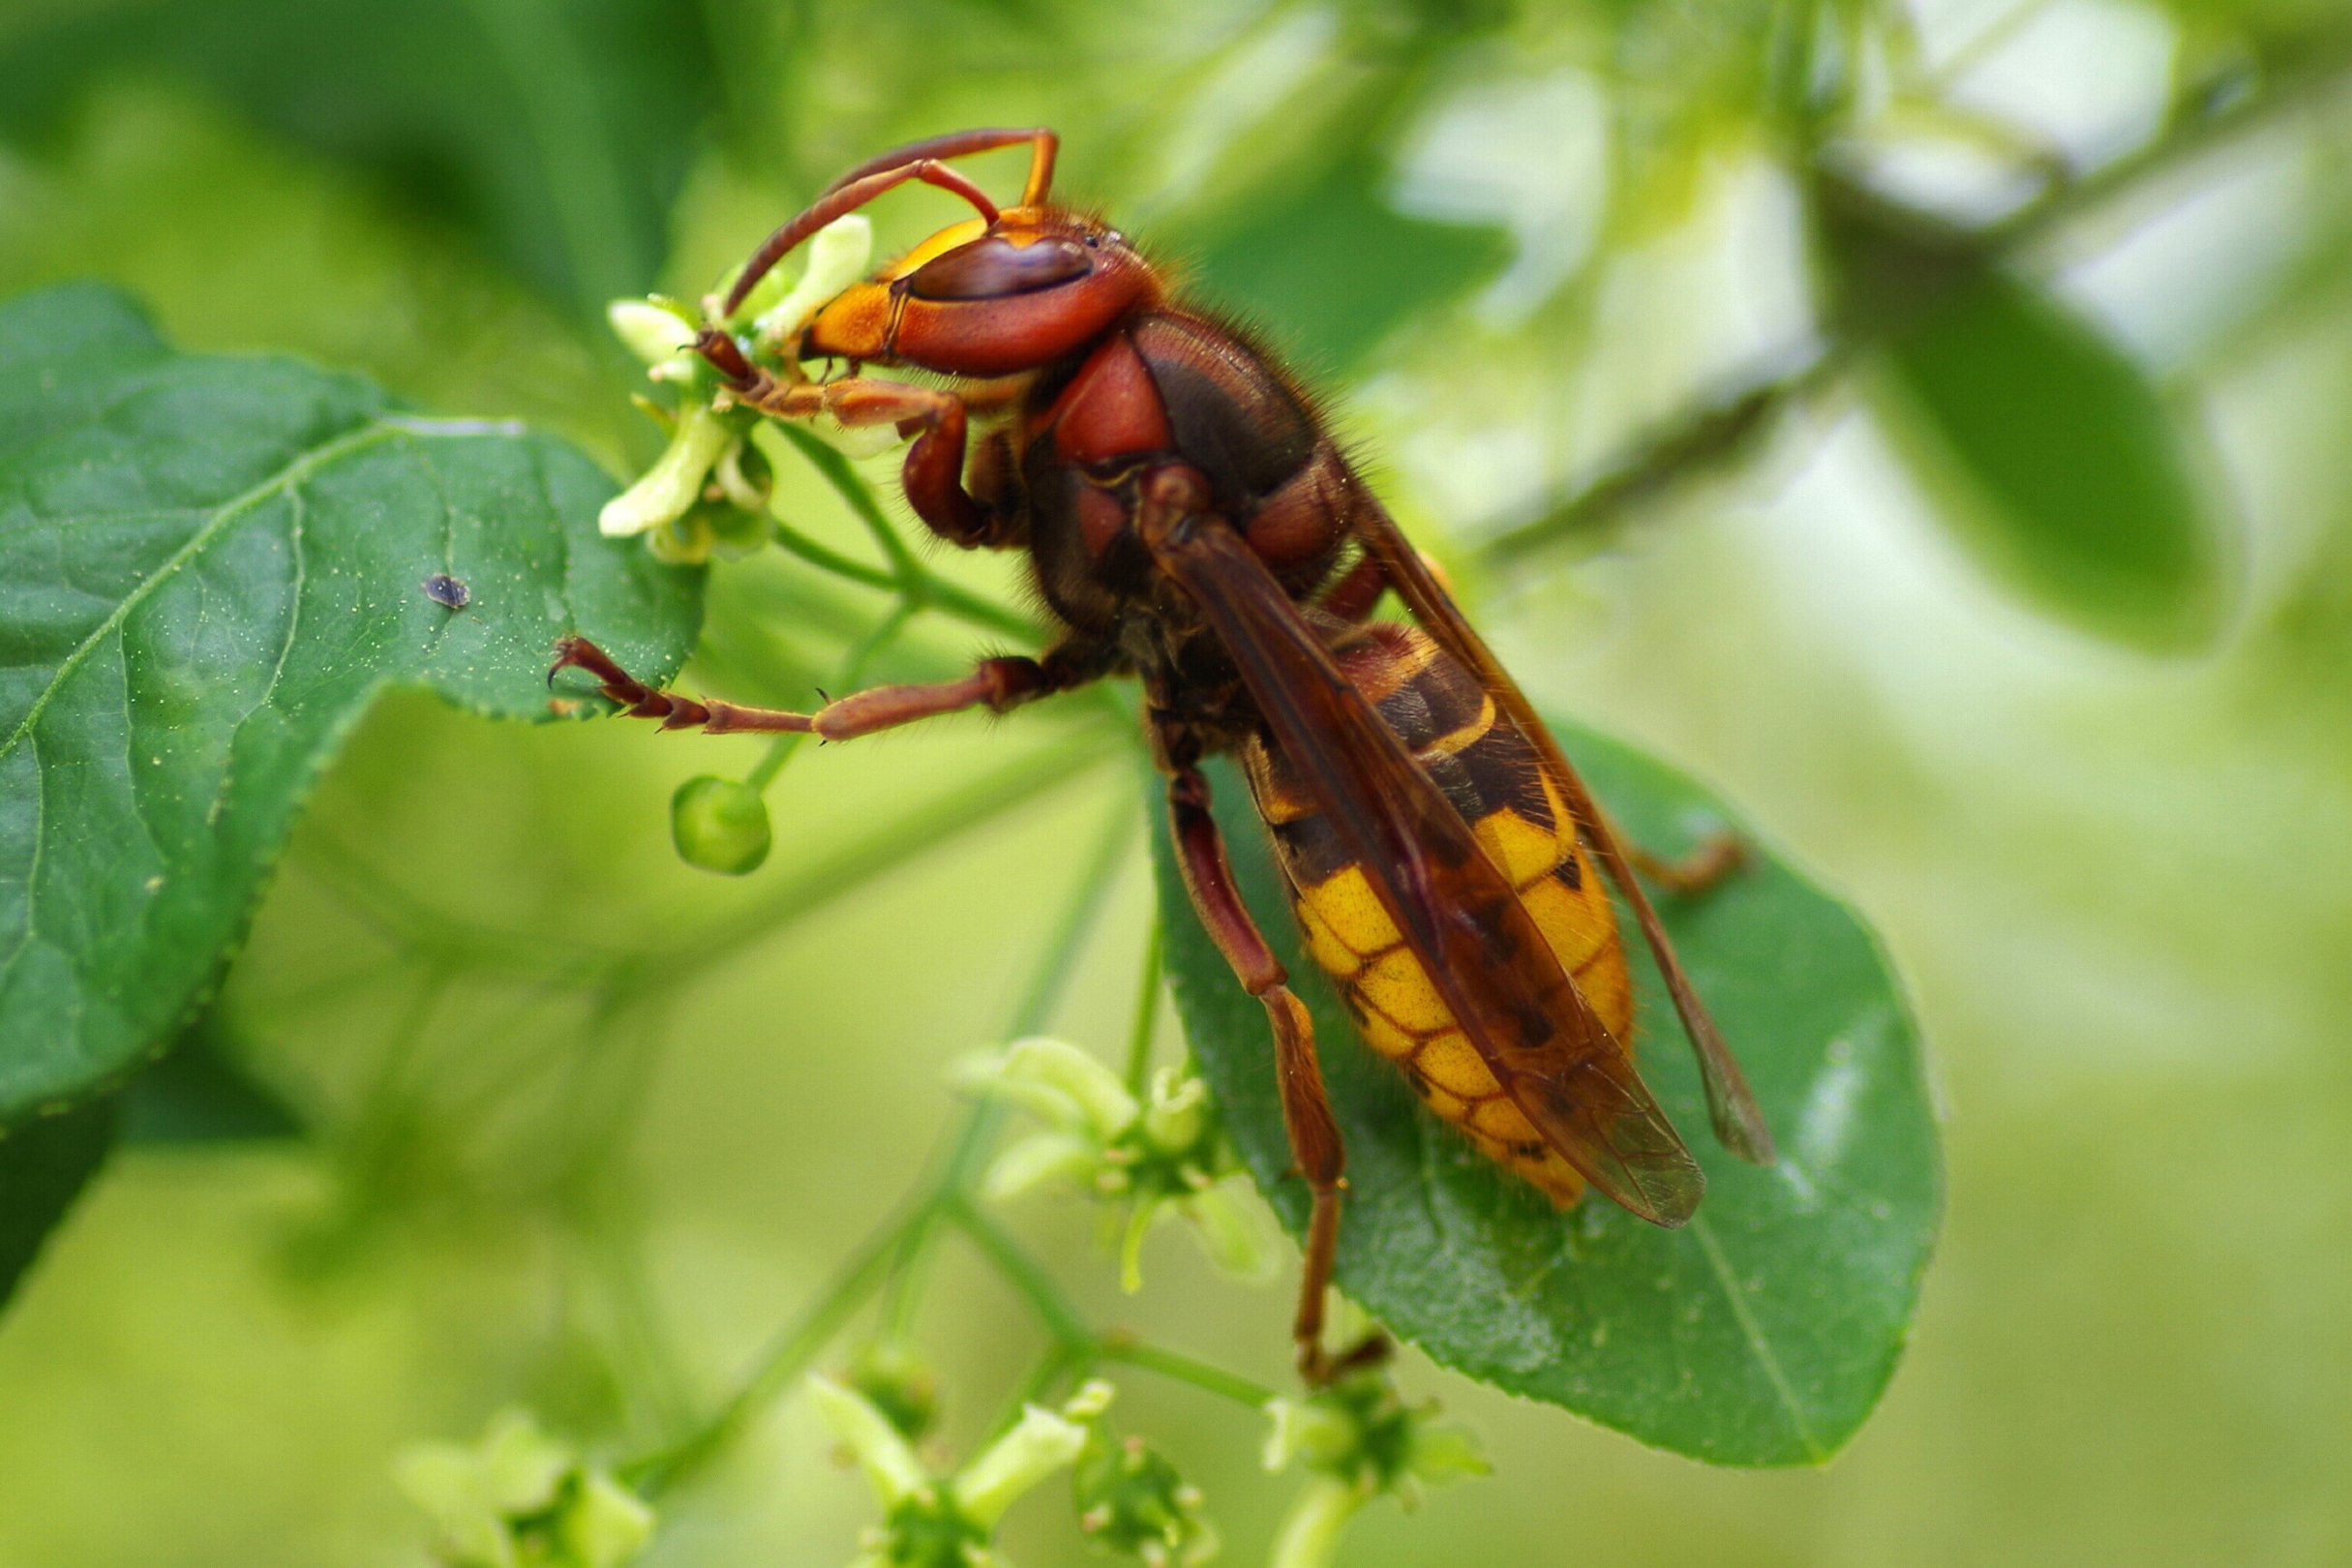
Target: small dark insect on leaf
x,y
446,591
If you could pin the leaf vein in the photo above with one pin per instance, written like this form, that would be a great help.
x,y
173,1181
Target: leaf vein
x,y
1757,1343
32,866
293,473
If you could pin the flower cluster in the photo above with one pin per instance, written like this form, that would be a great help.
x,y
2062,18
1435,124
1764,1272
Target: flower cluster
x,y
1359,1440
1132,1499
1147,1158
936,1521
519,1498
708,493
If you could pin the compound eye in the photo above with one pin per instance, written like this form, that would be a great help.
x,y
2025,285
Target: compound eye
x,y
995,268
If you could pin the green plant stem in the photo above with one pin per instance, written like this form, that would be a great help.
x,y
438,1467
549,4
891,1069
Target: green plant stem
x,y
1051,978
1116,1345
785,1360
917,583
1147,1009
892,1256
1053,1307
919,829
826,559
1074,1341
838,473
952,599
1048,1370
961,1163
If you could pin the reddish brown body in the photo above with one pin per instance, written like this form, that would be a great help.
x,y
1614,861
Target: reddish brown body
x,y
1191,521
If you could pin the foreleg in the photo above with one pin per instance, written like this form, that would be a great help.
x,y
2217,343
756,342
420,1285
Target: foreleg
x,y
998,684
933,477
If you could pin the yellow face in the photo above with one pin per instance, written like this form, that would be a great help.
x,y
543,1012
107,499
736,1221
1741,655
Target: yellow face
x,y
950,238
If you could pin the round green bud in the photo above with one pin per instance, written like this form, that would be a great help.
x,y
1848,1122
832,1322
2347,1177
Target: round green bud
x,y
1132,1499
719,825
736,532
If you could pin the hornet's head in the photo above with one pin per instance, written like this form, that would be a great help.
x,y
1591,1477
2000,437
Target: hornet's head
x,y
988,296
1010,291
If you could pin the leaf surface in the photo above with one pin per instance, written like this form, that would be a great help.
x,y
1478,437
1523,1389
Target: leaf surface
x,y
208,568
1761,1334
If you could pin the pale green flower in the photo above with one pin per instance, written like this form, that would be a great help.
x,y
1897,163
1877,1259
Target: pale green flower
x,y
518,1498
656,329
1358,1440
837,255
707,456
1144,1159
933,1521
664,492
1132,1499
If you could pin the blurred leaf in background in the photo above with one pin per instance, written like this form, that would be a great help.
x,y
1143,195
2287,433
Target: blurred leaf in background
x,y
290,251
557,132
2051,450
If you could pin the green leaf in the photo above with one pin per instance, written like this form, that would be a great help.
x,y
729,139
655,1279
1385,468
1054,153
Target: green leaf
x,y
43,1166
208,568
559,132
2059,465
1760,1333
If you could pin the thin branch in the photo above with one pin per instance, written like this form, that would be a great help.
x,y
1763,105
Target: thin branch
x,y
838,473
954,1170
1718,430
826,559
1117,1344
915,582
1027,1277
1147,1007
785,1359
846,869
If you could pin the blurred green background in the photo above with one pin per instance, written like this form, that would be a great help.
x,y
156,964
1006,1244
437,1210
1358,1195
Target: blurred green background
x,y
1927,423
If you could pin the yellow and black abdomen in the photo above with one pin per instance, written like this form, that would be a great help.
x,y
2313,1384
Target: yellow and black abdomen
x,y
1495,778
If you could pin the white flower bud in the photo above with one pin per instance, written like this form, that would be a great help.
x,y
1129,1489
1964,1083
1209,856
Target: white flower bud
x,y
1109,1110
882,1452
985,1072
1093,1397
1178,1111
1039,1160
837,255
654,333
665,491
1041,1443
